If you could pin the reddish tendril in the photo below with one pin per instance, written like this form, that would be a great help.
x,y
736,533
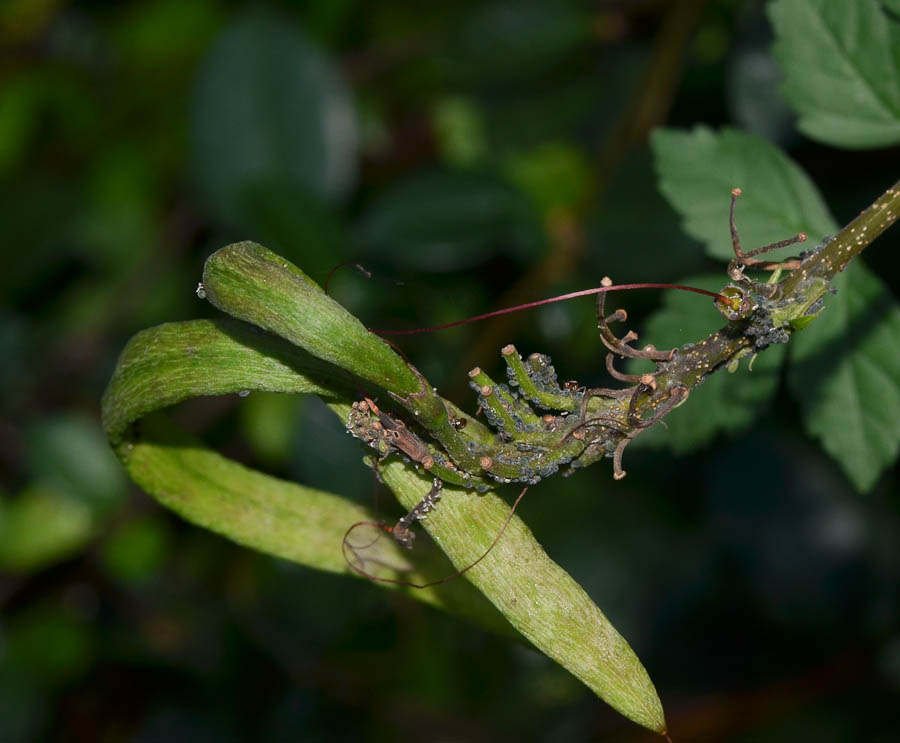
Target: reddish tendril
x,y
362,269
560,298
345,545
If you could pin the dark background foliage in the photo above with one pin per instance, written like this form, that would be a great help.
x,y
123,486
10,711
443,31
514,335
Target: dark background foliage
x,y
468,155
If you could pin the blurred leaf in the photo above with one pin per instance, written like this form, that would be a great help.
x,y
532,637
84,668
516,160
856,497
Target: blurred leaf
x,y
18,112
118,228
845,372
178,719
793,526
21,19
505,42
136,550
754,99
459,128
14,331
327,20
555,175
558,108
711,41
158,36
167,292
891,5
25,708
47,644
841,69
71,454
442,221
42,526
374,131
37,212
294,222
635,213
268,421
72,110
698,169
725,402
269,106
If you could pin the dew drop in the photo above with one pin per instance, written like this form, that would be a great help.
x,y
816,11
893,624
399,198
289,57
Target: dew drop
x,y
201,291
244,393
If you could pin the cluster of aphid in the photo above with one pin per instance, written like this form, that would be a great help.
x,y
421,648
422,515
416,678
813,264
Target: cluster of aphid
x,y
582,424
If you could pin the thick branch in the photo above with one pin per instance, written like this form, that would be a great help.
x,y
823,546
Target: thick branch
x,y
833,258
775,319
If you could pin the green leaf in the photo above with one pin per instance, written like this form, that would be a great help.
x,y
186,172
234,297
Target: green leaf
x,y
284,519
164,365
845,370
269,106
256,285
698,169
725,402
309,526
538,597
271,515
841,68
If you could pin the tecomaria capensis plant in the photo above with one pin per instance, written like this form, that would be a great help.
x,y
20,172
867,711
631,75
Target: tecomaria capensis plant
x,y
285,334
